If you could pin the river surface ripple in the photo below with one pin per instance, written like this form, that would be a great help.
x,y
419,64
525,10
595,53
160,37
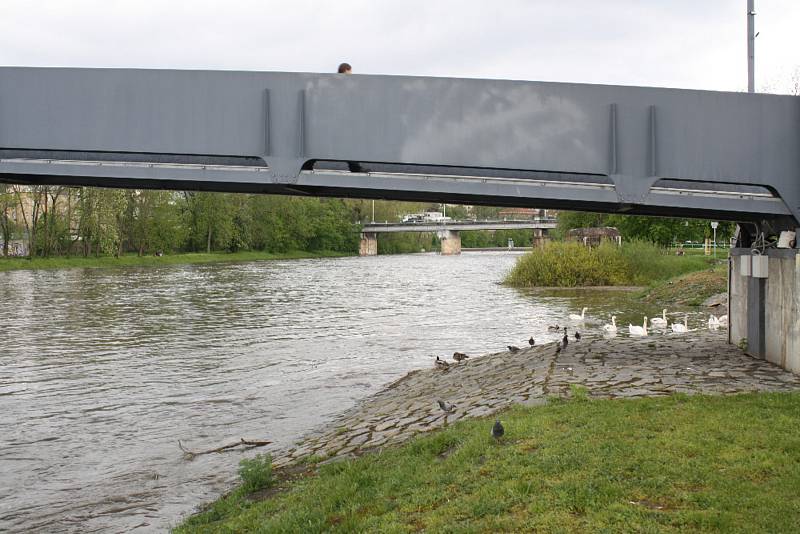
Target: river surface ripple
x,y
102,371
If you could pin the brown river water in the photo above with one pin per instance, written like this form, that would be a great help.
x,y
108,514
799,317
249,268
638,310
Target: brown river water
x,y
102,371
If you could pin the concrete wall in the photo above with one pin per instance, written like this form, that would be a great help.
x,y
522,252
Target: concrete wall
x,y
737,302
781,307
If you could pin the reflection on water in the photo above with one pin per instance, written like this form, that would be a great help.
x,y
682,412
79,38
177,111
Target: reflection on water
x,y
102,371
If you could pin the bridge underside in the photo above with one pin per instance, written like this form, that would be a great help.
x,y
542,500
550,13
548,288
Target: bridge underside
x,y
633,150
477,186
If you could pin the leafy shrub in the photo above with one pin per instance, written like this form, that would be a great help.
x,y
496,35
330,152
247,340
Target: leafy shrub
x,y
256,473
570,264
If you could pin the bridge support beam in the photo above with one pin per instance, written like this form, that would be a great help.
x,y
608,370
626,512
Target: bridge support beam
x,y
451,242
368,245
765,311
540,238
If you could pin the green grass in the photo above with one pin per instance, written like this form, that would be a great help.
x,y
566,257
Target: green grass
x,y
677,464
569,264
132,260
689,289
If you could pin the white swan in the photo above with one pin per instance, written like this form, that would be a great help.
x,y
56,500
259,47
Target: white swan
x,y
713,322
576,317
638,331
610,328
659,322
679,328
723,321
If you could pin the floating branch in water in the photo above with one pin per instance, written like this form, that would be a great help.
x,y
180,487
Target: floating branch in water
x,y
246,443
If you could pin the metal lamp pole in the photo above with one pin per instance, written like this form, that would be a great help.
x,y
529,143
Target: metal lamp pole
x,y
714,226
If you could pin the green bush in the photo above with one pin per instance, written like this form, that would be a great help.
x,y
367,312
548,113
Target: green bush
x,y
256,473
570,264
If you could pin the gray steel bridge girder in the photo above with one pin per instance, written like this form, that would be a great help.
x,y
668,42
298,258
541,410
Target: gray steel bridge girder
x,y
633,135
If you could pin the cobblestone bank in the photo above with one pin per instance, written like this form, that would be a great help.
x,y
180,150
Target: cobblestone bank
x,y
697,362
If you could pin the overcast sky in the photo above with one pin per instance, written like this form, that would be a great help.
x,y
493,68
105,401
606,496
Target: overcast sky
x,y
698,44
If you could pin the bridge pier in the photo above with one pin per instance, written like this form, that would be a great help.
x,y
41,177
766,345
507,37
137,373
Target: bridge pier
x,y
451,242
368,245
764,309
540,238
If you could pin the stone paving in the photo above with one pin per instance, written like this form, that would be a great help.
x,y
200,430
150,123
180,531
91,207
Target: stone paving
x,y
697,362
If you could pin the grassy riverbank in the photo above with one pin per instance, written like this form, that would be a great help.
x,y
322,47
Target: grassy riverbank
x,y
570,264
647,465
12,264
689,289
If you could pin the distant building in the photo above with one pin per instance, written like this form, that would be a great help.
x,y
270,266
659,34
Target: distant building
x,y
591,237
524,214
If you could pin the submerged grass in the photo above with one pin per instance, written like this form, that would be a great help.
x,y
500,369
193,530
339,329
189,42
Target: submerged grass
x,y
571,264
132,260
673,464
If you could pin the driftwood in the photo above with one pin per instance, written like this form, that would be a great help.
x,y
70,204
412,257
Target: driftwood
x,y
246,443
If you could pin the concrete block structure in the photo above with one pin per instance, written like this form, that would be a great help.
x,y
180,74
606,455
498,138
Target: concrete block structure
x,y
766,311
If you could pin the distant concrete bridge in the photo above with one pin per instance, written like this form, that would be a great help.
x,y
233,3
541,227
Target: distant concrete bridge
x,y
449,232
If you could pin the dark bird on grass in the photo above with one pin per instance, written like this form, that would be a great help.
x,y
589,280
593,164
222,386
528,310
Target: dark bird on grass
x,y
446,408
512,349
441,364
531,341
459,356
553,328
498,430
577,336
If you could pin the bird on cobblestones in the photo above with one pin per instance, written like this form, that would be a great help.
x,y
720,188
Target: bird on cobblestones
x,y
498,430
441,364
577,336
459,356
531,341
512,349
446,408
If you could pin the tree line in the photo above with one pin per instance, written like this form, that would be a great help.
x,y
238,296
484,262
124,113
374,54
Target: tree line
x,y
87,221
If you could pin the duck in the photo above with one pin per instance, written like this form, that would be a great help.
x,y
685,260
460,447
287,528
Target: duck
x,y
565,339
459,356
611,328
638,331
446,408
531,341
576,317
577,336
679,328
713,322
659,322
441,364
553,328
512,349
723,321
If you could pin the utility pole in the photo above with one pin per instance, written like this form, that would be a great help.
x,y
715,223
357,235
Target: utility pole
x,y
373,210
751,44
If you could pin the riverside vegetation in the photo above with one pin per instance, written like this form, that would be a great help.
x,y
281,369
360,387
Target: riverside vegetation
x,y
68,222
570,264
670,464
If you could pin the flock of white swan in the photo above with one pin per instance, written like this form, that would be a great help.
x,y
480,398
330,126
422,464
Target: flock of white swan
x,y
656,324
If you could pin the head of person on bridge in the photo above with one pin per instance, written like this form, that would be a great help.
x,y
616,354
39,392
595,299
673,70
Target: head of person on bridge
x,y
345,68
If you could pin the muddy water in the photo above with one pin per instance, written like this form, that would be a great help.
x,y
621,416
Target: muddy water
x,y
103,371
